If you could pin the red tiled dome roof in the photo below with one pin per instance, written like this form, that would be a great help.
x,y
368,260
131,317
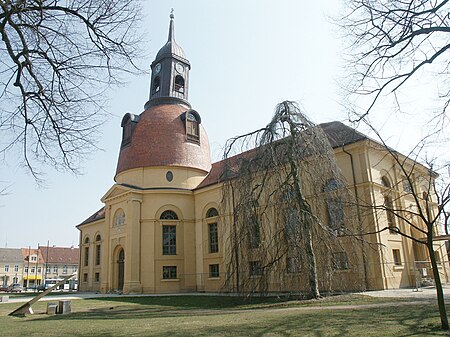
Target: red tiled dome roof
x,y
159,139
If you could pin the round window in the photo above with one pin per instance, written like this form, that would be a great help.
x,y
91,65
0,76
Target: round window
x,y
169,176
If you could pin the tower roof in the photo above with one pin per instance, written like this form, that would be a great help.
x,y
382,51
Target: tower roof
x,y
171,48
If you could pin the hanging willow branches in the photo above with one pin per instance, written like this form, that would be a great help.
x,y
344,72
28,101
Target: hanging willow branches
x,y
290,219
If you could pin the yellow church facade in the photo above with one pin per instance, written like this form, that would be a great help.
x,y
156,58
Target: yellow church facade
x,y
161,229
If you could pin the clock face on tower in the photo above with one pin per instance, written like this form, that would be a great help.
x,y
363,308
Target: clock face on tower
x,y
158,68
179,67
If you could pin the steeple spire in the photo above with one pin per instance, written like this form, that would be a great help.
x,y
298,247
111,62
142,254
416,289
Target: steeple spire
x,y
170,72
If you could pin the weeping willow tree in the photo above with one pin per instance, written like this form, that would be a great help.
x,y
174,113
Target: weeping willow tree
x,y
289,218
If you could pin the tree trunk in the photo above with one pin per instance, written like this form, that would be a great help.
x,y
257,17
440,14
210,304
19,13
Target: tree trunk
x,y
311,258
437,280
304,209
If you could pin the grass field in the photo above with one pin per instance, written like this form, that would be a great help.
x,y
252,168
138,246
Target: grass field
x,y
345,315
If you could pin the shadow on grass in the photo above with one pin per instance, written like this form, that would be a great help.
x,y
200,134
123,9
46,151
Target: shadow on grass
x,y
141,318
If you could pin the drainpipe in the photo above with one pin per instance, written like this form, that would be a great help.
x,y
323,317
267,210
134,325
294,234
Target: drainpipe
x,y
358,212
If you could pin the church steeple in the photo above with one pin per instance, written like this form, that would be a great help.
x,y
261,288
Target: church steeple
x,y
170,73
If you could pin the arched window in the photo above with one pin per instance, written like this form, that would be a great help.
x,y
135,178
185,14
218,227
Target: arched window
x,y
98,240
86,251
169,215
156,85
179,84
212,212
213,233
169,233
335,209
385,182
389,205
119,218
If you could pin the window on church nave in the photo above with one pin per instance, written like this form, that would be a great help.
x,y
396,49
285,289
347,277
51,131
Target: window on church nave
x,y
97,249
169,215
213,238
335,208
169,272
169,240
86,251
212,212
388,204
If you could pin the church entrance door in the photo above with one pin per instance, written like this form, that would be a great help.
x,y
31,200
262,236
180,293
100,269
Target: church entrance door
x,y
120,269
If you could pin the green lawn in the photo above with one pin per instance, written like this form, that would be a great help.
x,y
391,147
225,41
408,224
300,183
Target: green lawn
x,y
228,316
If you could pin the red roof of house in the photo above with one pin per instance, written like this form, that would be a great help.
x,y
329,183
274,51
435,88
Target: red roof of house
x,y
60,255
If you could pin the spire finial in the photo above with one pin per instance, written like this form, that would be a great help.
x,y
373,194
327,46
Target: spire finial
x,y
171,34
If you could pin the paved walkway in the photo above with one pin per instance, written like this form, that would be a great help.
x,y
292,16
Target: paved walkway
x,y
421,293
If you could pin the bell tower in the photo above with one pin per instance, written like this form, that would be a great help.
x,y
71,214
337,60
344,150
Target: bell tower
x,y
170,73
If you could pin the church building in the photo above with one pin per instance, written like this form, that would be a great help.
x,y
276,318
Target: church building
x,y
161,229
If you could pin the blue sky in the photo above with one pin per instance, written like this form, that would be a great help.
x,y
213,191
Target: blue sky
x,y
246,57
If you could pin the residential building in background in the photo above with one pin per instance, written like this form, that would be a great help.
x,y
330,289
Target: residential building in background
x,y
60,262
11,266
33,267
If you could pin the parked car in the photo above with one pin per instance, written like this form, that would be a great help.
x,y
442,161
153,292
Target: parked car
x,y
15,288
4,288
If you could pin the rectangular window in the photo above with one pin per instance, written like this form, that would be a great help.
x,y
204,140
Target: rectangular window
x,y
407,186
437,256
6,268
336,216
74,269
340,261
255,237
16,268
48,270
291,226
213,238
213,270
86,256
397,257
292,265
169,272
169,239
39,270
55,269
97,254
255,268
64,270
85,277
26,270
97,277
34,258
33,269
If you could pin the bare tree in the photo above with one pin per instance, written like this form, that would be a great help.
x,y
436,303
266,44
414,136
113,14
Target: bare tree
x,y
415,206
392,42
276,196
57,59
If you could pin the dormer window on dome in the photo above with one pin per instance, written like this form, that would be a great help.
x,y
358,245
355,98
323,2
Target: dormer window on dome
x,y
192,122
129,122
